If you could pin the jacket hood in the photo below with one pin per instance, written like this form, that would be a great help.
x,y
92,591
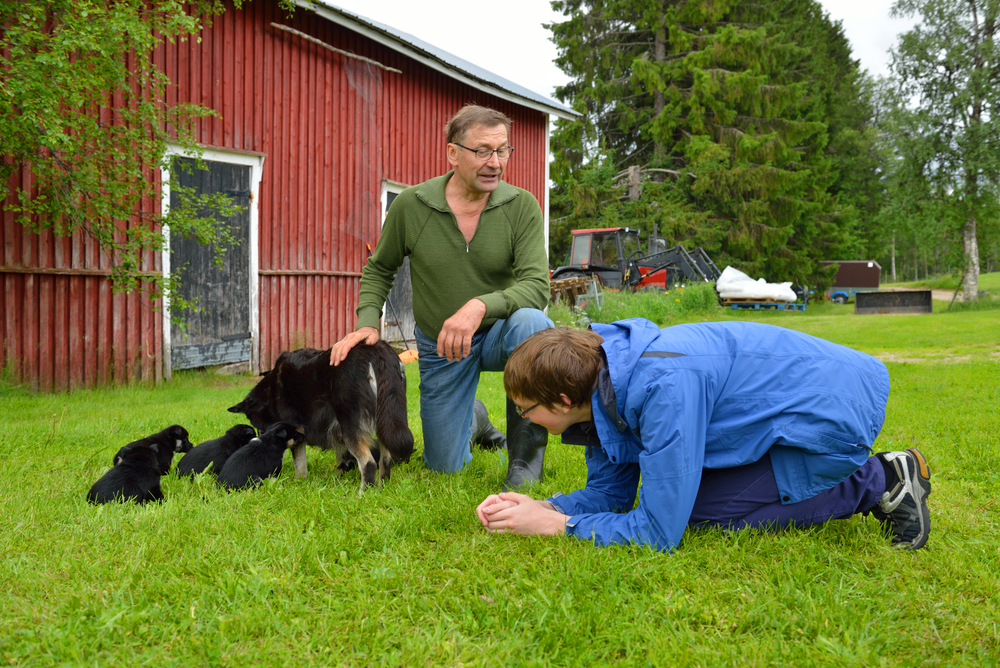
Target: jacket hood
x,y
624,343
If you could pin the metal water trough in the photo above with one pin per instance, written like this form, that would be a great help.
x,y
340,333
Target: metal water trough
x,y
908,301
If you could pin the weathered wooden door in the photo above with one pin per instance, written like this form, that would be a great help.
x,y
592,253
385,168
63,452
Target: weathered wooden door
x,y
219,334
397,315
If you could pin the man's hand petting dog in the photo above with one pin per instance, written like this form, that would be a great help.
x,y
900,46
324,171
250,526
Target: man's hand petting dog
x,y
510,512
340,349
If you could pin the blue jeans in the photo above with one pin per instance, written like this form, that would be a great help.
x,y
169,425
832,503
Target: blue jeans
x,y
448,389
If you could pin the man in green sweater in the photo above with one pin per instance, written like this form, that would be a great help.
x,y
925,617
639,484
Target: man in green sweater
x,y
480,279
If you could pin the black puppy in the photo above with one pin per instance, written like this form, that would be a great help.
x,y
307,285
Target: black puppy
x,y
214,453
135,475
172,439
260,458
338,407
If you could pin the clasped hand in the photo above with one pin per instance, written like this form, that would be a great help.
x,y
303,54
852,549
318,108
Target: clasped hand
x,y
510,512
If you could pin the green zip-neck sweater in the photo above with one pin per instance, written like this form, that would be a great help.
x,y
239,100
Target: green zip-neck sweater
x,y
505,265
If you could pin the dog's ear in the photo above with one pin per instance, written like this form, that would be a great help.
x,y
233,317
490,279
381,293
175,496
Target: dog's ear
x,y
123,453
180,436
241,430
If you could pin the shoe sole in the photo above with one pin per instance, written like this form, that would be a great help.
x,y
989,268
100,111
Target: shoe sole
x,y
923,488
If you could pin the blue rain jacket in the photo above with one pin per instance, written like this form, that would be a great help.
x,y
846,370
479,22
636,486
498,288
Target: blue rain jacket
x,y
735,391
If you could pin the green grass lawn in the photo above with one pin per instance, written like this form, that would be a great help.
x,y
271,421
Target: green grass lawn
x,y
307,573
988,282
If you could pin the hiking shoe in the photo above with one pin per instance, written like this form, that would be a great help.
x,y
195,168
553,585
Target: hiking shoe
x,y
903,508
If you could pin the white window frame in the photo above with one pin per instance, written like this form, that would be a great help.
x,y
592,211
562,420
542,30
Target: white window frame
x,y
387,187
255,162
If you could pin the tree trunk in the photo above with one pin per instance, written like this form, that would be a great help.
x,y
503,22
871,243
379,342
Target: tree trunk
x,y
893,258
634,183
660,55
970,281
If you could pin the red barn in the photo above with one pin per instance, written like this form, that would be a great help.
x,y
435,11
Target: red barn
x,y
323,117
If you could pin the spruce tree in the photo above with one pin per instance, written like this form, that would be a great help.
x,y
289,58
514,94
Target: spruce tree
x,y
731,105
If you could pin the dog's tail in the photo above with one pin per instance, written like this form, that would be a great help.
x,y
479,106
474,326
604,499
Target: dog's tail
x,y
391,425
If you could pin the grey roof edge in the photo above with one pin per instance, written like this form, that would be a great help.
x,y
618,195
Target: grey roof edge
x,y
440,60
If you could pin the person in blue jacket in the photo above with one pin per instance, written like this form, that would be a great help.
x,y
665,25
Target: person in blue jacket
x,y
727,424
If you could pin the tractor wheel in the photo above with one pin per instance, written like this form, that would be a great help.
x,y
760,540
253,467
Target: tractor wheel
x,y
840,299
571,274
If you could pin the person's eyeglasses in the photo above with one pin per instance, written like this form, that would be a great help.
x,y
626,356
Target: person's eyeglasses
x,y
487,153
524,411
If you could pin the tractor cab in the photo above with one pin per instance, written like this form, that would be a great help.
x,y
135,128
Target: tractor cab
x,y
600,253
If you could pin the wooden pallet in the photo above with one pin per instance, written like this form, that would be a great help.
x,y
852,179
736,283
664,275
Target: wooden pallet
x,y
568,289
763,306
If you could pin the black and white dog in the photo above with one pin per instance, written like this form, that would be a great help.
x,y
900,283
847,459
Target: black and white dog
x,y
214,453
135,475
338,407
260,458
172,439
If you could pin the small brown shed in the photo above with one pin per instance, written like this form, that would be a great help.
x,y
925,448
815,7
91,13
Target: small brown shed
x,y
856,273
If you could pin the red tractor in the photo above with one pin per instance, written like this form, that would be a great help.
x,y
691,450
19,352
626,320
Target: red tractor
x,y
615,258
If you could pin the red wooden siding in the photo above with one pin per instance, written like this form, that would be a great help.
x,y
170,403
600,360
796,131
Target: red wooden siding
x,y
62,326
279,95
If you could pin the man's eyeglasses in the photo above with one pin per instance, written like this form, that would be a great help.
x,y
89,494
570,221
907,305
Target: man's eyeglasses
x,y
487,153
522,412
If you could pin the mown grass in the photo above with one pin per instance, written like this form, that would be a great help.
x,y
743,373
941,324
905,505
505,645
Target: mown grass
x,y
657,305
307,573
988,282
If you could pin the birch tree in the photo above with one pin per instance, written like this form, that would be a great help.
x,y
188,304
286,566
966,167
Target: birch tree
x,y
82,109
948,73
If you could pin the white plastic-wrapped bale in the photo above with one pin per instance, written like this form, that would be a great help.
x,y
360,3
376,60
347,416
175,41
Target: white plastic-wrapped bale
x,y
734,284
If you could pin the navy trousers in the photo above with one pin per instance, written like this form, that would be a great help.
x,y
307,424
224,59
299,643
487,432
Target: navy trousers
x,y
747,496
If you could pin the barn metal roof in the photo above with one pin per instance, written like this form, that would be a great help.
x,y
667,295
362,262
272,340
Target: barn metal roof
x,y
439,59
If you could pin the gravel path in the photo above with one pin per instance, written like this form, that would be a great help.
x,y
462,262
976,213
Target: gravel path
x,y
945,295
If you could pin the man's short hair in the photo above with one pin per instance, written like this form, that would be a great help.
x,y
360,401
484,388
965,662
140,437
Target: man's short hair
x,y
554,361
470,115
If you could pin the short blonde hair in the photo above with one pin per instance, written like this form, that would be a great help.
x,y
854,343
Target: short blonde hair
x,y
552,362
471,115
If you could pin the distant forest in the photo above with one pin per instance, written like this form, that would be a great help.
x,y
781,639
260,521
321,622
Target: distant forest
x,y
747,128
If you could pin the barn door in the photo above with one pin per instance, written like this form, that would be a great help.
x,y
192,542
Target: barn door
x,y
397,315
220,334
